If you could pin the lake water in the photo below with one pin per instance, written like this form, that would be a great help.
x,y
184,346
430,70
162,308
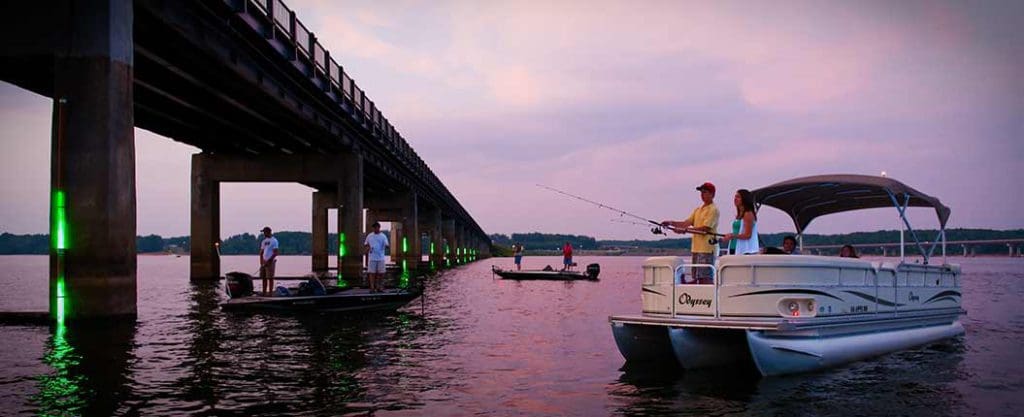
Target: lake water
x,y
474,346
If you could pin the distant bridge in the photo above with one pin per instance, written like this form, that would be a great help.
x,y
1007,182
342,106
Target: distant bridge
x,y
251,86
1015,247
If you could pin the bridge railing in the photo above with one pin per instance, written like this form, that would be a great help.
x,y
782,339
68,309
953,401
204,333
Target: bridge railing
x,y
339,85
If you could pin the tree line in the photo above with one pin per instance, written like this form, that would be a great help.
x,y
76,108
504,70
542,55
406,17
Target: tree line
x,y
299,243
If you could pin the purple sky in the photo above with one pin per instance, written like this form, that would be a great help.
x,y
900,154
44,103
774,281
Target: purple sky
x,y
634,106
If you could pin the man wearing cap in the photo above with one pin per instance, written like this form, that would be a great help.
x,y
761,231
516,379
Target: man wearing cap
x,y
268,259
374,246
702,222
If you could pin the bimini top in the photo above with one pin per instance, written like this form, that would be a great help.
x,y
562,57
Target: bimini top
x,y
807,198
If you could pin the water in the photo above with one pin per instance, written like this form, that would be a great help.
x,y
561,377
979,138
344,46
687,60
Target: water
x,y
476,346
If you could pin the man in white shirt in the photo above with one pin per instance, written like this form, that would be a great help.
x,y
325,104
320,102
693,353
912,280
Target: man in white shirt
x,y
374,246
268,259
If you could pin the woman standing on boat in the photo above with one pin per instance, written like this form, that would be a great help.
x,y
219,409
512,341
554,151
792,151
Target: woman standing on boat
x,y
745,239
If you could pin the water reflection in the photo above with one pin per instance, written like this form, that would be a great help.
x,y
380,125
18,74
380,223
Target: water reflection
x,y
915,382
89,362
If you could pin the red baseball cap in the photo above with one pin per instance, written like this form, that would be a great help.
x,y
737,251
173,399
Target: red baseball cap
x,y
707,186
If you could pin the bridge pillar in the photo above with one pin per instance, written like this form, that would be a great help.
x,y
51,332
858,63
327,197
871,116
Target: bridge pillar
x,y
395,239
204,263
1010,246
322,202
411,250
432,226
448,230
350,217
92,207
460,238
885,252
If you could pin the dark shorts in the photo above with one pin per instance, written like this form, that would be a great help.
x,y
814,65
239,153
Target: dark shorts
x,y
519,259
703,274
567,260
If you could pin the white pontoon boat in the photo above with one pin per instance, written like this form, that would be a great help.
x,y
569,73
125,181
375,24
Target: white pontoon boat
x,y
799,313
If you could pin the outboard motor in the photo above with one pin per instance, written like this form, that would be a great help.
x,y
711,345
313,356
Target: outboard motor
x,y
239,284
593,270
312,286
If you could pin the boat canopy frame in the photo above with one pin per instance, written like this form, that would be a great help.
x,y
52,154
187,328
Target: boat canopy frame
x,y
807,198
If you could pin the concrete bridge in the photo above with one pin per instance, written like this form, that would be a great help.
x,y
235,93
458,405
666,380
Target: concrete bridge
x,y
252,87
1015,247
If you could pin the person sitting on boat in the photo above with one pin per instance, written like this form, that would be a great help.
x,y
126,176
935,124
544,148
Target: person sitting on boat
x,y
789,245
374,246
517,252
268,259
702,221
848,251
745,226
567,256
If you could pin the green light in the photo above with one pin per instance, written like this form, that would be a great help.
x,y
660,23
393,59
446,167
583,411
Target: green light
x,y
60,221
341,244
341,281
405,244
431,248
60,300
403,281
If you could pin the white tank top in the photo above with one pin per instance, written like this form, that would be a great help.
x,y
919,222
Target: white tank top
x,y
745,246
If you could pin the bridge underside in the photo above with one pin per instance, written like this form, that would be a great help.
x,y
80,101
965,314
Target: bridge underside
x,y
199,73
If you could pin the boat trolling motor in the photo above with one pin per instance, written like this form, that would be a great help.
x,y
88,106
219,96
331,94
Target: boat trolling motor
x,y
593,270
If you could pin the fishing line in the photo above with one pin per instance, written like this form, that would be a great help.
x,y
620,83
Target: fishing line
x,y
656,230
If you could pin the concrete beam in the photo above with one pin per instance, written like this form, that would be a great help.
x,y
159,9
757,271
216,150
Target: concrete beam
x,y
93,258
274,168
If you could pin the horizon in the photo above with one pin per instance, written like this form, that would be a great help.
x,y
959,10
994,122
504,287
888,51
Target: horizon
x,y
740,94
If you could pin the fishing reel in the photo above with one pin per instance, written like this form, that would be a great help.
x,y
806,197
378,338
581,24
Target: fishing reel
x,y
657,231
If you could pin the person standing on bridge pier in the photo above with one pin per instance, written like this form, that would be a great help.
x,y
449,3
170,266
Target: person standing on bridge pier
x,y
374,246
703,221
268,259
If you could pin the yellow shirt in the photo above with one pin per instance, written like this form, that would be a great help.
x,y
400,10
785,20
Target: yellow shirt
x,y
704,216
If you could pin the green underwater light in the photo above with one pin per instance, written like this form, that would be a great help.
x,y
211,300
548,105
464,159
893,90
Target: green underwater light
x,y
60,221
341,244
405,244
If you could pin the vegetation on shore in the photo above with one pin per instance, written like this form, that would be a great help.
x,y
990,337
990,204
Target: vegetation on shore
x,y
298,243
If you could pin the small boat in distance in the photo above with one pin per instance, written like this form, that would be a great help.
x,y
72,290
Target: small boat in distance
x,y
591,273
799,313
313,295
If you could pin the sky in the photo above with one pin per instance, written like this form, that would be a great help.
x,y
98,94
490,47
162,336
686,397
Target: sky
x,y
633,104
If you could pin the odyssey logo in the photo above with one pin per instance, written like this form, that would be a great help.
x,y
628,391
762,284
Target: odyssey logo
x,y
693,302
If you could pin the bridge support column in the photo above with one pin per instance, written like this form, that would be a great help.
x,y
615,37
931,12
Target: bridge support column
x,y
395,240
409,239
350,217
92,206
204,263
448,231
460,239
322,201
432,226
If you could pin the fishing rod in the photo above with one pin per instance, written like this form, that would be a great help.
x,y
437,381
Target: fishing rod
x,y
656,230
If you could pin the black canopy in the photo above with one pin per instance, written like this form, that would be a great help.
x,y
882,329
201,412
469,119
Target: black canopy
x,y
807,198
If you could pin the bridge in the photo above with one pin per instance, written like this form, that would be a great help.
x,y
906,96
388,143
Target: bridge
x,y
251,86
1015,247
